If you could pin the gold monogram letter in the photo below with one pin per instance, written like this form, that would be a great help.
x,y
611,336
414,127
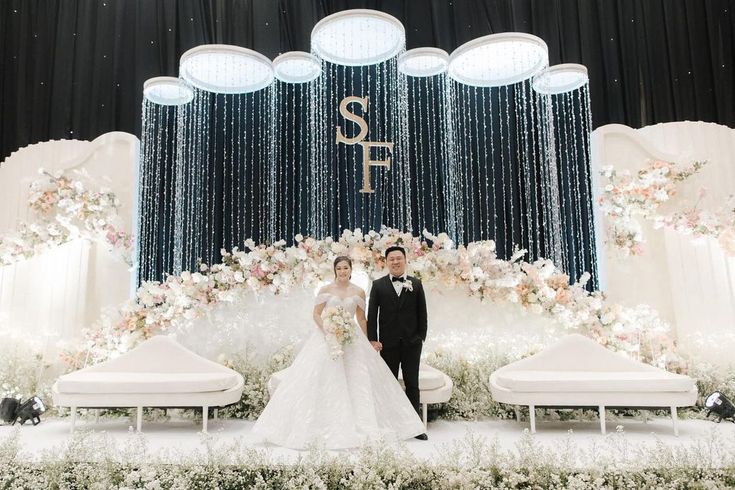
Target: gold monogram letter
x,y
367,162
344,110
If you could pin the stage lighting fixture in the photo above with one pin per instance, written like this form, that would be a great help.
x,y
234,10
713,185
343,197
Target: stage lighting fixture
x,y
30,409
8,409
718,404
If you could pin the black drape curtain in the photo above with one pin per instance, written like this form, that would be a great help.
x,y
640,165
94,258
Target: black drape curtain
x,y
75,68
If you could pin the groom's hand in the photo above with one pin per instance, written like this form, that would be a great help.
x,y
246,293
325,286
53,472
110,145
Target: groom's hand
x,y
377,345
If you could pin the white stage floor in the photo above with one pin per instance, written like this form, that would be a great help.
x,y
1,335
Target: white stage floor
x,y
183,436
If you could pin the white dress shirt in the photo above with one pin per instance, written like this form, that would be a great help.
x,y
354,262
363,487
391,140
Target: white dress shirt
x,y
398,285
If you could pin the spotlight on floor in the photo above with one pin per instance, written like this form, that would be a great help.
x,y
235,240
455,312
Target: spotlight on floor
x,y
718,404
12,410
8,409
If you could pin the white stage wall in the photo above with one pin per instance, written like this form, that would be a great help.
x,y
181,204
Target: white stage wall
x,y
691,283
60,292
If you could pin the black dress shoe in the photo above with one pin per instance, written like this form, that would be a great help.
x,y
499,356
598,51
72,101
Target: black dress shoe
x,y
422,437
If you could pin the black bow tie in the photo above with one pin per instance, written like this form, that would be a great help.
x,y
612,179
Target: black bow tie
x,y
399,279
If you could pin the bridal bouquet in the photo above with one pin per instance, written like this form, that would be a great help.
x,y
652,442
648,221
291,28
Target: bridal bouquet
x,y
338,329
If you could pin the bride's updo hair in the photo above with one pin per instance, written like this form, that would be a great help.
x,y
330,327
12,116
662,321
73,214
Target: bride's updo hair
x,y
341,258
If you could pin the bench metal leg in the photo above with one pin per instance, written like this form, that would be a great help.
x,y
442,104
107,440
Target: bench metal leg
x,y
602,419
205,418
532,416
73,418
96,416
216,413
425,414
674,420
517,412
140,419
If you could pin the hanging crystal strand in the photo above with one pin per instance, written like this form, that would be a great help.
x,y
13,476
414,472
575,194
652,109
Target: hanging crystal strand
x,y
201,128
473,160
154,251
141,226
446,161
534,141
586,110
264,100
550,183
273,194
317,161
573,165
178,195
237,198
228,177
300,140
455,212
461,134
531,210
163,214
493,199
563,139
214,247
427,114
293,162
504,219
483,180
404,158
525,186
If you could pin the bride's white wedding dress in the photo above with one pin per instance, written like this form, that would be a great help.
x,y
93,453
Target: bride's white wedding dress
x,y
337,403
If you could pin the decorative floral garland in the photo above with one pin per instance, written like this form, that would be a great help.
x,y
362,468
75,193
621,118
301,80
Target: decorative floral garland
x,y
66,211
537,287
626,198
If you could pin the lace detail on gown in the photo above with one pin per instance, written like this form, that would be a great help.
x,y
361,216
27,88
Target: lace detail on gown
x,y
337,403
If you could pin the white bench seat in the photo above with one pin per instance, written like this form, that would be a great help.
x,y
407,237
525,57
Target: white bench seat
x,y
579,372
158,373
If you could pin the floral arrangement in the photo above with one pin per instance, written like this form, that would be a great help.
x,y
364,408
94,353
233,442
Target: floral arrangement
x,y
339,329
538,287
92,460
698,223
66,210
626,198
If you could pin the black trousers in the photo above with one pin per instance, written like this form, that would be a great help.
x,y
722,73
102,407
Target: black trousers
x,y
406,357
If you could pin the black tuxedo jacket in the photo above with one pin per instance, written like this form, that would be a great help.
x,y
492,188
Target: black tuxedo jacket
x,y
392,319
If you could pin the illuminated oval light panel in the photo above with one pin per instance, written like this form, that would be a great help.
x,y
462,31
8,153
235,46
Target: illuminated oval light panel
x,y
423,62
358,37
226,69
297,67
167,91
498,59
559,79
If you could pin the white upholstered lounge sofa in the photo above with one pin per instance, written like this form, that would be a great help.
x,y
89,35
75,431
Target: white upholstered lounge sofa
x,y
434,386
157,373
579,372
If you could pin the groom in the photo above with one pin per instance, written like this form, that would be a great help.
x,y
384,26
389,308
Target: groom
x,y
397,322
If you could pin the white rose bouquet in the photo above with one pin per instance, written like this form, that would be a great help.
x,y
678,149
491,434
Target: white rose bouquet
x,y
338,329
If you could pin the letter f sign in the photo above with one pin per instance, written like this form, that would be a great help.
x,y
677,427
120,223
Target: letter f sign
x,y
366,145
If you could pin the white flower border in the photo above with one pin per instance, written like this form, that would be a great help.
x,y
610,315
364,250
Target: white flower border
x,y
96,460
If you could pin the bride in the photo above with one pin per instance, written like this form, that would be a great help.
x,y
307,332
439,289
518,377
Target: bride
x,y
338,403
